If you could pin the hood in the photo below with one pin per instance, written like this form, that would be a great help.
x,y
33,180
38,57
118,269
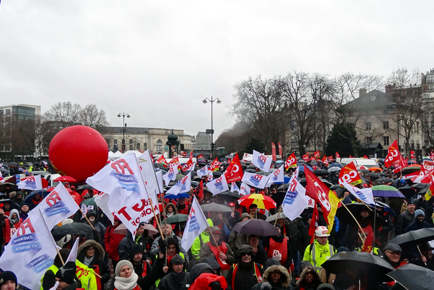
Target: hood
x,y
14,211
99,251
243,216
198,269
175,210
307,269
270,262
284,275
135,248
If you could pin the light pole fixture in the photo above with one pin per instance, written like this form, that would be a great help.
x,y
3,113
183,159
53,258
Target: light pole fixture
x,y
211,131
124,128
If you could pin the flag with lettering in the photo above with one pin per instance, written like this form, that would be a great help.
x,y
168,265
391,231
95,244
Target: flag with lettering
x,y
195,225
200,156
33,182
234,187
129,199
295,200
255,180
317,190
394,157
261,161
280,150
316,154
276,176
364,194
306,157
170,175
214,166
203,171
244,189
148,172
291,161
218,185
181,188
188,166
325,160
273,151
191,154
349,174
234,172
163,161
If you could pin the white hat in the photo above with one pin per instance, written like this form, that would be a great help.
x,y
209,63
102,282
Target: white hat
x,y
322,232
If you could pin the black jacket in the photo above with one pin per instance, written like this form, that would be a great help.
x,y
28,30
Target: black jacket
x,y
175,281
98,260
404,220
245,277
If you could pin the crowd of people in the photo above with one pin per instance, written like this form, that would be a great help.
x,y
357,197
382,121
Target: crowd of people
x,y
221,258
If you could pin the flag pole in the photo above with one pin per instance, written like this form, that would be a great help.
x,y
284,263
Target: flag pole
x,y
277,217
217,245
360,227
55,245
86,218
156,219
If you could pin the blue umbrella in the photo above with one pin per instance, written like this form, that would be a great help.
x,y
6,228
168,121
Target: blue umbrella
x,y
301,167
386,191
335,165
177,196
42,193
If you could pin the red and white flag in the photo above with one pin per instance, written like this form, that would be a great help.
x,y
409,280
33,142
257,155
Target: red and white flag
x,y
337,155
273,151
214,165
280,150
234,172
316,154
325,160
412,155
394,157
291,161
162,161
261,161
349,174
306,157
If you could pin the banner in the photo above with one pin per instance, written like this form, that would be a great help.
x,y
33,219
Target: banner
x,y
170,175
277,176
316,154
428,165
188,166
148,172
195,225
273,151
181,188
30,182
129,200
325,160
234,187
364,194
349,174
244,189
255,180
162,161
261,161
218,185
234,172
214,166
394,157
203,171
280,150
295,200
306,157
291,161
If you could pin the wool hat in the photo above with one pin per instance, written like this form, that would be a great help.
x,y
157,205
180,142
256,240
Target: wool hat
x,y
245,249
419,212
7,276
177,260
120,264
67,273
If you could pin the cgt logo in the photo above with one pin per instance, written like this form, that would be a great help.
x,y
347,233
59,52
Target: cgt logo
x,y
348,177
256,179
392,154
322,197
289,161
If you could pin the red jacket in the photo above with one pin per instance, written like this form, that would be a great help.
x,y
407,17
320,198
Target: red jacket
x,y
111,242
6,231
202,282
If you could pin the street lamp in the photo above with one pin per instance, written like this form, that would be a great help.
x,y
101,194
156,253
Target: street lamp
x,y
212,128
124,128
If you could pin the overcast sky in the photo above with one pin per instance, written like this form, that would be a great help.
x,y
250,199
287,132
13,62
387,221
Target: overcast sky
x,y
157,60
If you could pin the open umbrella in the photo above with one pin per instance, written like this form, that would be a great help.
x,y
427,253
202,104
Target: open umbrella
x,y
359,261
42,193
249,170
257,227
71,229
3,186
276,216
215,207
65,179
407,191
386,191
177,218
320,172
278,197
355,208
411,276
414,237
411,169
373,175
375,169
335,165
383,180
364,171
262,201
122,229
334,169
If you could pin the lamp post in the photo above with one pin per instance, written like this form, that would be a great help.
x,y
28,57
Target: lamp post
x,y
124,128
212,128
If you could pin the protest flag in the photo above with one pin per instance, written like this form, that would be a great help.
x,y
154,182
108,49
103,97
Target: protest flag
x,y
291,161
280,150
218,185
234,187
204,171
181,188
255,180
295,200
33,182
261,161
273,151
162,161
276,176
234,172
214,166
349,174
195,225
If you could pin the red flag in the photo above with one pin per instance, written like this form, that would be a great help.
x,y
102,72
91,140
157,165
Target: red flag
x,y
317,190
412,154
174,160
188,165
312,226
337,155
366,157
280,150
162,160
325,161
349,174
306,157
273,151
351,156
291,161
394,157
200,156
234,172
316,154
201,196
191,154
330,158
214,165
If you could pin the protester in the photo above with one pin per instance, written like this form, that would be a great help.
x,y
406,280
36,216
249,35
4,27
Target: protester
x,y
259,253
309,279
236,240
406,218
275,278
67,278
99,227
279,248
255,214
8,281
177,278
320,250
49,277
92,255
112,240
419,222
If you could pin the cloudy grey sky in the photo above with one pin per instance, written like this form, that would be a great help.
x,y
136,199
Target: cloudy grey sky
x,y
157,60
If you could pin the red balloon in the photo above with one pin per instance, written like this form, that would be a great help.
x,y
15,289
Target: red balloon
x,y
78,151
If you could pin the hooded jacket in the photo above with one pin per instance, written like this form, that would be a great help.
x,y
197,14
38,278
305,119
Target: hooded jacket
x,y
97,262
303,285
282,284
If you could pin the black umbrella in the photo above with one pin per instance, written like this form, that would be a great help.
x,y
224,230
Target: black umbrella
x,y
215,207
84,187
250,170
359,261
383,180
355,208
339,191
420,185
3,186
278,197
230,194
372,175
251,167
177,218
224,164
283,187
415,237
319,172
257,227
42,193
407,191
71,229
364,171
412,276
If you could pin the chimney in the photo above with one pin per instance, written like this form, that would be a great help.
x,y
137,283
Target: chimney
x,y
362,91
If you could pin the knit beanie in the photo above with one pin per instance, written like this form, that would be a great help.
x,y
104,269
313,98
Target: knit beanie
x,y
67,273
120,264
419,212
7,276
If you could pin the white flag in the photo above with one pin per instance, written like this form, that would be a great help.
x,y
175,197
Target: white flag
x,y
204,171
295,199
181,188
129,200
210,176
102,201
57,206
30,252
73,254
255,180
195,225
261,161
244,189
277,176
159,175
364,194
234,187
170,175
148,173
31,182
218,185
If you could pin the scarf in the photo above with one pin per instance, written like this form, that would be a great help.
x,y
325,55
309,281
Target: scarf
x,y
88,261
126,283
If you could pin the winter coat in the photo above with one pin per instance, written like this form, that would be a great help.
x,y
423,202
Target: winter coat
x,y
204,281
417,225
317,254
156,246
260,256
282,284
303,285
236,240
111,242
404,220
175,281
98,263
175,210
245,276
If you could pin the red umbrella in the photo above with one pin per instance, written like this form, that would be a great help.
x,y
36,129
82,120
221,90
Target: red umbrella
x,y
65,179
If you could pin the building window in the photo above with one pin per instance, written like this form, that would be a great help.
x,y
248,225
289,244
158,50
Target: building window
x,y
145,146
1,112
159,146
368,126
7,112
386,125
431,87
131,147
115,141
138,146
131,141
386,140
368,140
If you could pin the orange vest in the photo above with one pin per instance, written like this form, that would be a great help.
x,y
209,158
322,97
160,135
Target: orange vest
x,y
278,248
224,249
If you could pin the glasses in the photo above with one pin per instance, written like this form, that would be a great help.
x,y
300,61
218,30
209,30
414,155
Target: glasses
x,y
394,253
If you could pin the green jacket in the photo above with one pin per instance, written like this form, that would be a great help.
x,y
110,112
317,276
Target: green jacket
x,y
317,254
199,241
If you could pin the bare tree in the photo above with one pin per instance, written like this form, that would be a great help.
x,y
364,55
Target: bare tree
x,y
64,114
94,118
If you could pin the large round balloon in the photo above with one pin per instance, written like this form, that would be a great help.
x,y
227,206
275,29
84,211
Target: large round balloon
x,y
78,151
